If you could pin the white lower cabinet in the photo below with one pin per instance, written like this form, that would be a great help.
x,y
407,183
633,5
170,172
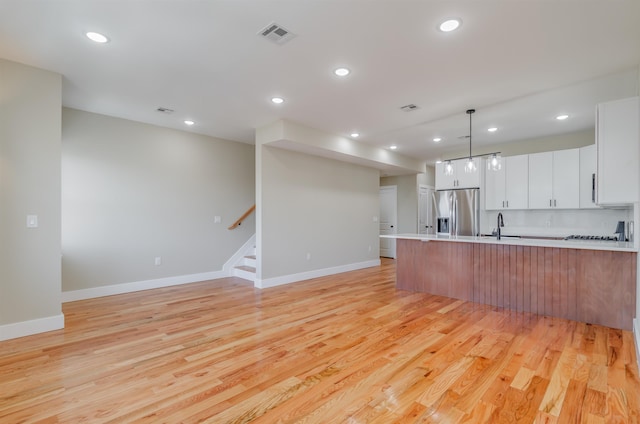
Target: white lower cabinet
x,y
554,180
508,187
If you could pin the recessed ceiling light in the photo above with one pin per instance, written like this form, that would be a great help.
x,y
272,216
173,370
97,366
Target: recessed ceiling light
x,y
562,117
492,129
189,122
355,135
97,37
393,147
437,139
438,161
277,100
342,72
450,25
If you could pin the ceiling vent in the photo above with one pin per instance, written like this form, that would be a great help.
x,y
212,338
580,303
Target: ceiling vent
x,y
276,33
409,108
164,110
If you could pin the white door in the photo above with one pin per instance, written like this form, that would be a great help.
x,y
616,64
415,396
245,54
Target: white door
x,y
388,220
426,210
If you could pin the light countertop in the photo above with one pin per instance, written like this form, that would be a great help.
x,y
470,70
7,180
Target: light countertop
x,y
537,242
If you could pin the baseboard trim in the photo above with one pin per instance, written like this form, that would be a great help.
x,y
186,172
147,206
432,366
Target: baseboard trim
x,y
292,278
34,326
73,295
636,338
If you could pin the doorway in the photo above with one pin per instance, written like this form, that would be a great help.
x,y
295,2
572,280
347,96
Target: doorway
x,y
426,210
388,220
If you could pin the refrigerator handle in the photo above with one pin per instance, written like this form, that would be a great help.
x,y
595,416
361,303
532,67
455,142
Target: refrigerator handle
x,y
474,227
473,217
454,214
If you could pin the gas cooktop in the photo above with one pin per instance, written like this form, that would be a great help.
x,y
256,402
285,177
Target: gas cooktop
x,y
591,238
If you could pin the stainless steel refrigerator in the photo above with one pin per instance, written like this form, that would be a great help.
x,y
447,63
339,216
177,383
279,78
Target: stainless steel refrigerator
x,y
458,212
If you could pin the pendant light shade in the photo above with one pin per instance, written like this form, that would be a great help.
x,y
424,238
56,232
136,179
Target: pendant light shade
x,y
494,163
448,168
470,166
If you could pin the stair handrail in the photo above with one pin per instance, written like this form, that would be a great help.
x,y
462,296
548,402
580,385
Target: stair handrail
x,y
242,218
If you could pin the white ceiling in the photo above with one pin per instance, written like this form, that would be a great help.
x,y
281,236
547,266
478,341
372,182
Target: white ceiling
x,y
518,63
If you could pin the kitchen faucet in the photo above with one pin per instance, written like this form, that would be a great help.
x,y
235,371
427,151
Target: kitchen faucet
x,y
500,224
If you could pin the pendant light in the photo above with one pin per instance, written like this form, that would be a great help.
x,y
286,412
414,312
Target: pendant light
x,y
470,166
494,162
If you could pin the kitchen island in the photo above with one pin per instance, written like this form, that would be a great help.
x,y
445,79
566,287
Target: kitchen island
x,y
593,282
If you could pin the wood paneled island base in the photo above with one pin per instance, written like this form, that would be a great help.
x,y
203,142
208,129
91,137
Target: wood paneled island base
x,y
593,286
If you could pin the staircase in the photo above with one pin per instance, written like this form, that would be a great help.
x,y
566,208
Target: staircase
x,y
246,267
243,264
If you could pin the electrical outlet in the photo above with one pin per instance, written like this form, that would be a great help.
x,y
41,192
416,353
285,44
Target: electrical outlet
x,y
217,220
308,256
158,260
369,248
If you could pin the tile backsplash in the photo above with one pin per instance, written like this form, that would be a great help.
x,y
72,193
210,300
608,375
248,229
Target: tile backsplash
x,y
556,223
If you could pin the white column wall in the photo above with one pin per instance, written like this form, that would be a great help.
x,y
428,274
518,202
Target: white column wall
x,y
316,216
30,282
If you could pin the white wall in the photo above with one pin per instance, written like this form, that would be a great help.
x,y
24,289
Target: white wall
x,y
535,145
407,200
312,205
408,196
132,192
30,102
429,177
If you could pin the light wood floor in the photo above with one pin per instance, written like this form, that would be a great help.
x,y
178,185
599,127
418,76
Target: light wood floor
x,y
342,349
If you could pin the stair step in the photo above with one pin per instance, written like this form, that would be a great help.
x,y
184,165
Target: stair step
x,y
246,268
250,256
249,261
245,271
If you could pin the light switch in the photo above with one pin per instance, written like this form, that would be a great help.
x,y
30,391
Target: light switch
x,y
32,221
217,220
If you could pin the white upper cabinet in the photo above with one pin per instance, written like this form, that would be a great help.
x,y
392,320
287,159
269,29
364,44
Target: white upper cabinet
x,y
554,180
588,165
460,178
508,187
469,179
617,139
566,179
541,180
444,182
494,188
517,182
